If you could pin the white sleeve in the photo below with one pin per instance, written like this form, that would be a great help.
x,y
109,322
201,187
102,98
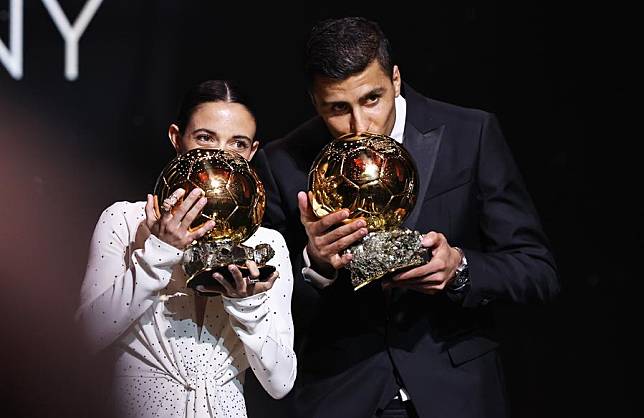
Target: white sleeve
x,y
312,276
113,295
264,324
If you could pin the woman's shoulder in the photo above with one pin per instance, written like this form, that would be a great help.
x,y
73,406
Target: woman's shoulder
x,y
117,211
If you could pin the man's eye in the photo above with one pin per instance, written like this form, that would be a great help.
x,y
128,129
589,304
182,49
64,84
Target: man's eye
x,y
339,107
373,99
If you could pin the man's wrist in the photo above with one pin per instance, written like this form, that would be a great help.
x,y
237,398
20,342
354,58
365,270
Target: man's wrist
x,y
325,269
461,281
315,277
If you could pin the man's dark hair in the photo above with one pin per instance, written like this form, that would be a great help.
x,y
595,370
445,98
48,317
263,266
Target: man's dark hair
x,y
209,91
340,48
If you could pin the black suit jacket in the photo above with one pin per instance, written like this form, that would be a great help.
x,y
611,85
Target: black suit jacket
x,y
348,342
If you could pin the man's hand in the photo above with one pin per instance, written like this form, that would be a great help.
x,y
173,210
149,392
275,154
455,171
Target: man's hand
x,y
432,277
326,241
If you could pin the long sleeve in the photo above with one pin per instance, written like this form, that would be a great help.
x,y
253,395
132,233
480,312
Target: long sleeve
x,y
121,282
264,324
515,263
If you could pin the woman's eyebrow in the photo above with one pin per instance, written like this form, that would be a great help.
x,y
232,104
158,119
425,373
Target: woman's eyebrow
x,y
205,130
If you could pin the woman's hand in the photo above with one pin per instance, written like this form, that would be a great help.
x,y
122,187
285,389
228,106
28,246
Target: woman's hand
x,y
245,286
172,225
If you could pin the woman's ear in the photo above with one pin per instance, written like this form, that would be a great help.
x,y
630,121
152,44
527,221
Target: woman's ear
x,y
253,149
175,137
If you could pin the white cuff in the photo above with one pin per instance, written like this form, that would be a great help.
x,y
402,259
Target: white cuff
x,y
312,276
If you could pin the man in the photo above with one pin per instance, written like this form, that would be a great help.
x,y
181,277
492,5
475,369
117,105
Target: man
x,y
421,342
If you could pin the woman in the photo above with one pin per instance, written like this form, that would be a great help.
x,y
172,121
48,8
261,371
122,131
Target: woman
x,y
179,353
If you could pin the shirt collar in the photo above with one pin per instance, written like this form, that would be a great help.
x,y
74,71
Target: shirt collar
x,y
399,124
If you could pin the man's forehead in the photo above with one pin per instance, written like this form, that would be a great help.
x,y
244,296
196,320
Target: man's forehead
x,y
349,89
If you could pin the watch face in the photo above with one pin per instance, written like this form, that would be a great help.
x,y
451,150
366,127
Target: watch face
x,y
461,279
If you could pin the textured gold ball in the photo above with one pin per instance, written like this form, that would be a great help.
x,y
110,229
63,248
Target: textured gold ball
x,y
369,174
236,197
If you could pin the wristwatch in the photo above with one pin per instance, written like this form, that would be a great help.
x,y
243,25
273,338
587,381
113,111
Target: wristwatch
x,y
461,281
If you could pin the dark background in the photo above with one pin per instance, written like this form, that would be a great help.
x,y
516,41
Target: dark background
x,y
556,75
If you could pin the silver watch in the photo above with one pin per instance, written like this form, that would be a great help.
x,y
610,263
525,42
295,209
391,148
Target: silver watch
x,y
462,279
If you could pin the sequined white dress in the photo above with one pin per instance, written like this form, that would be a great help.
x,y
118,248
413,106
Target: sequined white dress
x,y
134,300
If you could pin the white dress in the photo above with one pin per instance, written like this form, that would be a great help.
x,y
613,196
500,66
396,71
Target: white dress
x,y
134,300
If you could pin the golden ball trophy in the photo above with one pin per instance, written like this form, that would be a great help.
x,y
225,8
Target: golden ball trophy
x,y
376,179
236,204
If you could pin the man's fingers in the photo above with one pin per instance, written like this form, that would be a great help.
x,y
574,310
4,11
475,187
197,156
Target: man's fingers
x,y
317,225
332,219
306,212
345,242
339,261
411,274
341,232
432,239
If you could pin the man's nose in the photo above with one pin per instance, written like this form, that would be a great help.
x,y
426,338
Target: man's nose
x,y
359,122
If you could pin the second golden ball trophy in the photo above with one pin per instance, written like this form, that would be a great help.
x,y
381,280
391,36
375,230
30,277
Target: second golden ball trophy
x,y
375,178
236,204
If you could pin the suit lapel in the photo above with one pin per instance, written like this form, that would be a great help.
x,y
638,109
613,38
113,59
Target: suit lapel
x,y
424,150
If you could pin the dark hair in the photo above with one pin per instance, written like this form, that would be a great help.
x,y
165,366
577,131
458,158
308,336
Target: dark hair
x,y
340,48
209,91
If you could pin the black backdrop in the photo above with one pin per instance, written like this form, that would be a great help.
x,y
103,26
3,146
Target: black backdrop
x,y
556,76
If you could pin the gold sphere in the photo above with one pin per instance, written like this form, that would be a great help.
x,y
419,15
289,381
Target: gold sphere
x,y
369,174
236,197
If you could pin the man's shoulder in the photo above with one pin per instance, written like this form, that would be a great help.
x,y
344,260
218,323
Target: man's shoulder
x,y
424,110
311,134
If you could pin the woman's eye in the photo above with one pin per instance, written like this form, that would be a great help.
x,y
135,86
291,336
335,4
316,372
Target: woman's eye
x,y
240,145
204,137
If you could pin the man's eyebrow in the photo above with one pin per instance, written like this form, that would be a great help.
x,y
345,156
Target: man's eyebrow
x,y
378,91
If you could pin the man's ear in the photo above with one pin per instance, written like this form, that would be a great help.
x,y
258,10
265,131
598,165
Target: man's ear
x,y
175,137
396,80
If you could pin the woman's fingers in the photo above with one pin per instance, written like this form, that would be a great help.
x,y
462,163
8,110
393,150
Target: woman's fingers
x,y
201,231
150,215
240,280
193,213
222,281
252,270
271,279
187,203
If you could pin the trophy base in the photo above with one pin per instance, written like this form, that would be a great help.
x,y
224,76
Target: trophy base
x,y
202,259
381,253
204,284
